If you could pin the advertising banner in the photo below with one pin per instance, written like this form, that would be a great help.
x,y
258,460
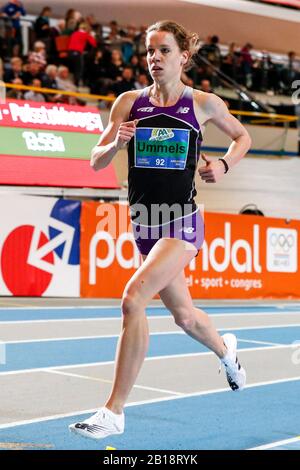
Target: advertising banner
x,y
39,246
243,256
51,143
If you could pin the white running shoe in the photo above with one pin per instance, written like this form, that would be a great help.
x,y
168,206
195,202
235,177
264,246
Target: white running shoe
x,y
102,424
236,375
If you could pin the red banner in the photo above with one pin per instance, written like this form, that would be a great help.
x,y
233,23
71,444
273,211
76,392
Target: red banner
x,y
242,257
61,117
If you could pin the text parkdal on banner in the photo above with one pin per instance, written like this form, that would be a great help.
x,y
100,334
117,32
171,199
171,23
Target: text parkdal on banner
x,y
242,257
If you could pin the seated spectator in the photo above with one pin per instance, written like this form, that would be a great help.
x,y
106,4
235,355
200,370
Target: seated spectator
x,y
115,67
35,95
114,40
31,71
141,82
14,71
38,55
126,84
49,78
105,104
42,24
187,80
63,79
134,64
205,86
96,73
14,93
143,65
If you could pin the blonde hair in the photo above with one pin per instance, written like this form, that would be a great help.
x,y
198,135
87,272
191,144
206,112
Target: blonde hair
x,y
186,40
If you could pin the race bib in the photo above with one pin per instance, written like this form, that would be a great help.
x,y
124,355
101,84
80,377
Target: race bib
x,y
161,148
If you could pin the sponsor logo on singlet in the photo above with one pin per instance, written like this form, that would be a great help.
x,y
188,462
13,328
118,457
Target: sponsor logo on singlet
x,y
161,148
161,134
146,110
182,110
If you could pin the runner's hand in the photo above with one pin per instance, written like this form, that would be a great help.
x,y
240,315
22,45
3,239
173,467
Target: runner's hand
x,y
212,171
125,133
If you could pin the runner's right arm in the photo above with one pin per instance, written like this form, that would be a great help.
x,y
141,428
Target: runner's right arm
x,y
117,134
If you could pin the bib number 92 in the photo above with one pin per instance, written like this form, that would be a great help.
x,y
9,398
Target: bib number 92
x,y
160,162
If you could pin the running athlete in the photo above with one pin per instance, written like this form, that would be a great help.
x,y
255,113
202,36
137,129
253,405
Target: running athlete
x,y
163,126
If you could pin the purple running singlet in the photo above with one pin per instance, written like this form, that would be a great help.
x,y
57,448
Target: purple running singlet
x,y
162,161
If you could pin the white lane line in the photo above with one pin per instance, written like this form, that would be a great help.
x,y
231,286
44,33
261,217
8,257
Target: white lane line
x,y
277,444
142,387
256,311
259,342
153,358
146,402
167,315
75,320
159,333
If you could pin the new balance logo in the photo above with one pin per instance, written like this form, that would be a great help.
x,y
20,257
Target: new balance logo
x,y
182,110
187,229
146,110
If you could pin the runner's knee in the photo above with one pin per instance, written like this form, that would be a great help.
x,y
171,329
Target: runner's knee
x,y
185,318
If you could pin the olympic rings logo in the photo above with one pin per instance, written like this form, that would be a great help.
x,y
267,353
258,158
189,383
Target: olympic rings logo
x,y
284,242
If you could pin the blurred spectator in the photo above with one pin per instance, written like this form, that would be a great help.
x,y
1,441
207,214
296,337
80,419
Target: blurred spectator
x,y
14,10
128,45
71,26
63,79
114,39
105,104
230,63
187,80
141,81
49,78
35,95
72,20
140,41
97,73
246,64
211,51
78,42
55,31
115,67
134,64
38,55
42,24
75,15
14,71
94,24
126,84
205,86
31,71
143,65
14,93
290,73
